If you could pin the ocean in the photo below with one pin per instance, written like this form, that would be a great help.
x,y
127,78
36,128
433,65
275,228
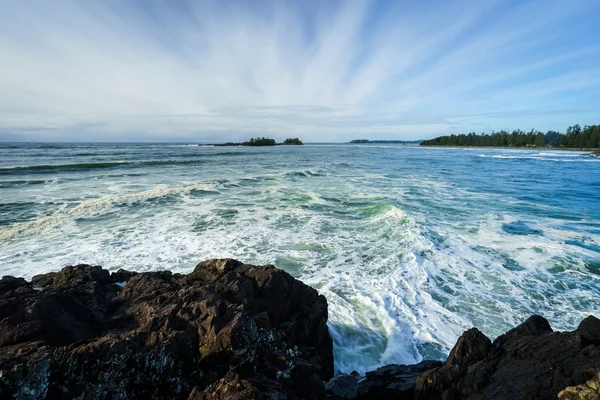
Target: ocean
x,y
410,245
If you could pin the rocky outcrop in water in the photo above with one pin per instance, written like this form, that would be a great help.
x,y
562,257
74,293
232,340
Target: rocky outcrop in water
x,y
528,362
389,382
234,331
226,330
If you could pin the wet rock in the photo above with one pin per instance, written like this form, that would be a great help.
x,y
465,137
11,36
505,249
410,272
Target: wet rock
x,y
589,330
534,325
9,283
471,347
528,362
226,330
231,386
229,330
343,386
122,276
389,382
393,381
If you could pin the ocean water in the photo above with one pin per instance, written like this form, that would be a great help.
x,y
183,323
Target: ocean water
x,y
410,245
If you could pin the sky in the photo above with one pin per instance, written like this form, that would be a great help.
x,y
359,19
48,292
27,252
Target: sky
x,y
323,71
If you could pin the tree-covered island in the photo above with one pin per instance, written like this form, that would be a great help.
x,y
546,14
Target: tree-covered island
x,y
292,141
366,141
575,137
262,141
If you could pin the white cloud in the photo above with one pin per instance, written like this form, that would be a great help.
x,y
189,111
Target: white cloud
x,y
332,71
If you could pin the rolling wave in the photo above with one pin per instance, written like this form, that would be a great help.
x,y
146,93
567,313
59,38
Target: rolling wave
x,y
41,169
90,208
80,167
21,182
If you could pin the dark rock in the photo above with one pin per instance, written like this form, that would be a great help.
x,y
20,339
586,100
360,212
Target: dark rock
x,y
389,382
393,381
534,325
589,330
343,386
234,331
122,276
227,330
41,281
528,362
9,283
471,347
231,386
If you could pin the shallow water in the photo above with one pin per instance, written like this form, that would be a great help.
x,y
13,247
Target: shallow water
x,y
410,245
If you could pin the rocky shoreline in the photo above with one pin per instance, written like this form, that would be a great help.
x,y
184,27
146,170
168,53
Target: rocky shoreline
x,y
229,330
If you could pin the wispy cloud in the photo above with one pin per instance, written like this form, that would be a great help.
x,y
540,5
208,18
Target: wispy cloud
x,y
327,71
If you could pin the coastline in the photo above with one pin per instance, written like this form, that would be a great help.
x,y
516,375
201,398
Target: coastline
x,y
513,148
233,330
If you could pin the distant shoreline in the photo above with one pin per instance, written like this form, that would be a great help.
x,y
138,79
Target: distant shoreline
x,y
594,149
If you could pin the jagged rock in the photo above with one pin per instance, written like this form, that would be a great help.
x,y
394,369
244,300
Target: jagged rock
x,y
389,382
589,330
528,362
8,283
228,387
393,381
234,331
471,347
534,325
226,330
343,386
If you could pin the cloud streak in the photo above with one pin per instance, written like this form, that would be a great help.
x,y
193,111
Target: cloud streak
x,y
324,71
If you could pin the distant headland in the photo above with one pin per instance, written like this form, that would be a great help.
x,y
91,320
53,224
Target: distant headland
x,y
365,141
260,141
575,137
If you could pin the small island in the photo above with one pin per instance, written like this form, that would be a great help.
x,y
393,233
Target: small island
x,y
292,142
262,141
366,141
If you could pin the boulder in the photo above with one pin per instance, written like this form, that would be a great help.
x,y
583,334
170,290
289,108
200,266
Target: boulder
x,y
389,382
226,330
471,347
528,362
230,330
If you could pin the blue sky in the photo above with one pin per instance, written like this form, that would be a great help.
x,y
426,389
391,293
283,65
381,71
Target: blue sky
x,y
175,70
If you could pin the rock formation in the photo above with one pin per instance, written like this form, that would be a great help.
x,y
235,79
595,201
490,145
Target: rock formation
x,y
234,331
528,362
226,330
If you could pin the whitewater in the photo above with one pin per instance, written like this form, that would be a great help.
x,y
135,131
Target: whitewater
x,y
409,245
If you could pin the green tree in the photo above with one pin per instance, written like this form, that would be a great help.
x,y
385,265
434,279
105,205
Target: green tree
x,y
539,140
292,141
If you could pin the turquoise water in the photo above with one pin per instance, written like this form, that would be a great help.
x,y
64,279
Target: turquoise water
x,y
410,245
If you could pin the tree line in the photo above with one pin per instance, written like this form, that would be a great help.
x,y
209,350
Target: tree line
x,y
574,137
260,141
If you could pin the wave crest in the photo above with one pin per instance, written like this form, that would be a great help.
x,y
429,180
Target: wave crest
x,y
92,207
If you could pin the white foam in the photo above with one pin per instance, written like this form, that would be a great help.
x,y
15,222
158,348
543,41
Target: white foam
x,y
402,279
89,208
542,157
